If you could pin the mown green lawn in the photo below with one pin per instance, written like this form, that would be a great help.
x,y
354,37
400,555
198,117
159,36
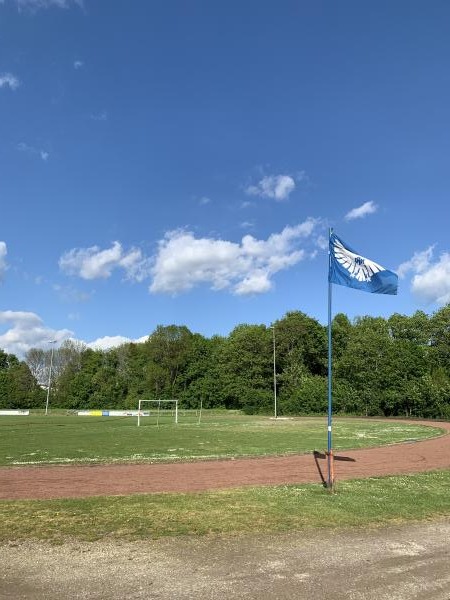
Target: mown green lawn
x,y
361,503
54,439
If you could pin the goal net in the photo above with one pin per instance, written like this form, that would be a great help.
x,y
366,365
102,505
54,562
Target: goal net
x,y
160,407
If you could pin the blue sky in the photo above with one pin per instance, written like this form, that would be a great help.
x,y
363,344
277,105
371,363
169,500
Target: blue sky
x,y
181,162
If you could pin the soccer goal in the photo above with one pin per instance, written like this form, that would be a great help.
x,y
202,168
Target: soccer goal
x,y
158,403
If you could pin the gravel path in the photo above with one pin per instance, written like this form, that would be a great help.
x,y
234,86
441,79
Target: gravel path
x,y
396,563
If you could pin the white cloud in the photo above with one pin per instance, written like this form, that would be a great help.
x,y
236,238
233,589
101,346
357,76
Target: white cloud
x,y
278,187
71,294
246,225
23,147
365,209
101,116
301,176
25,330
94,263
34,5
322,242
9,80
256,283
78,64
433,284
204,200
247,204
431,280
20,331
3,265
418,263
184,261
108,342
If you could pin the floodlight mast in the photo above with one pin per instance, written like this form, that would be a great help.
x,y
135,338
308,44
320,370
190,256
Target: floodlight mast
x,y
274,372
49,375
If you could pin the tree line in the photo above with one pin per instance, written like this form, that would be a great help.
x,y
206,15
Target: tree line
x,y
394,366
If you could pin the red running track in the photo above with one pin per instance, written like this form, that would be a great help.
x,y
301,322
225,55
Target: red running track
x,y
122,479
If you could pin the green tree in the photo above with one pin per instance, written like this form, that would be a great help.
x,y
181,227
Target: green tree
x,y
404,363
246,367
416,329
341,330
168,348
440,339
18,387
302,339
362,365
309,397
202,381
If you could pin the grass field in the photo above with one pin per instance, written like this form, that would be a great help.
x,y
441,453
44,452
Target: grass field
x,y
54,439
60,439
360,503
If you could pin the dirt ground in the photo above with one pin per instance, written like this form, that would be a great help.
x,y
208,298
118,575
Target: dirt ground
x,y
81,481
396,563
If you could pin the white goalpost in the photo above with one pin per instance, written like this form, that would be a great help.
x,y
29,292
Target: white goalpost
x,y
158,402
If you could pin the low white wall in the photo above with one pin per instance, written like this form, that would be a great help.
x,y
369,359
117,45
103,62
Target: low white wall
x,y
112,413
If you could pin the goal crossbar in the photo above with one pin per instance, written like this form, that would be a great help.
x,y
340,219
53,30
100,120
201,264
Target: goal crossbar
x,y
158,402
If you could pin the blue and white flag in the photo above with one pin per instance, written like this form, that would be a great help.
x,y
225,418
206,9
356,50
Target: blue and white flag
x,y
349,268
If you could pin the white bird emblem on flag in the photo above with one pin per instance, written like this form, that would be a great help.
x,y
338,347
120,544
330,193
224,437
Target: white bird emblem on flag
x,y
358,267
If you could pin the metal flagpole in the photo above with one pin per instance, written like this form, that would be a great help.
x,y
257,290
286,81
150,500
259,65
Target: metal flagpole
x,y
330,481
346,267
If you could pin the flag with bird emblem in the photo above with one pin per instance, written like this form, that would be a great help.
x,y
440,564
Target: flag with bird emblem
x,y
351,269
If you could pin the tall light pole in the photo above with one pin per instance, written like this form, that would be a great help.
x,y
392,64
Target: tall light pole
x,y
50,375
274,372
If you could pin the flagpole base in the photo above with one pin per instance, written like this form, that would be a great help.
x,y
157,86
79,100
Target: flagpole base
x,y
331,481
